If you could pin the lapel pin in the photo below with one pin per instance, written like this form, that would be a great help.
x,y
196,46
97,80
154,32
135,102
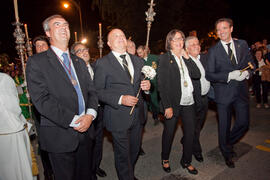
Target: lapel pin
x,y
171,61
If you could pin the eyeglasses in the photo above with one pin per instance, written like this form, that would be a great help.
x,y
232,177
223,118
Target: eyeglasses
x,y
79,51
177,39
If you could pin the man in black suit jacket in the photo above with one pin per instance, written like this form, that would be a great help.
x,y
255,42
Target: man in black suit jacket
x,y
117,79
82,51
61,91
225,60
201,88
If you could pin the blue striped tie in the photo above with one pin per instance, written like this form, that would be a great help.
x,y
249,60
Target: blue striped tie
x,y
76,86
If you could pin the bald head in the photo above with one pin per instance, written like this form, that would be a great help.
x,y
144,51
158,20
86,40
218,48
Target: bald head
x,y
117,41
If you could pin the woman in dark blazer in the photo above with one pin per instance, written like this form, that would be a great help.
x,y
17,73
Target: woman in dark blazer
x,y
175,74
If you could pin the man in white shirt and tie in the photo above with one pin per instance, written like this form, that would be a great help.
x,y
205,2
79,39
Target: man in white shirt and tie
x,y
82,51
201,88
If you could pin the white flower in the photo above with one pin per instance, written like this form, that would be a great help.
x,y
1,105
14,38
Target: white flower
x,y
149,72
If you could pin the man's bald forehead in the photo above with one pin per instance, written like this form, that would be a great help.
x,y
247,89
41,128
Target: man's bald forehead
x,y
113,31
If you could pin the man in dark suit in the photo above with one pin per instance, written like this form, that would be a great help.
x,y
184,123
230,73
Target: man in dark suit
x,y
62,93
117,79
225,60
82,51
201,88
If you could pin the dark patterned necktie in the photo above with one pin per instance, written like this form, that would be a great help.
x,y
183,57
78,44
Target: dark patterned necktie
x,y
125,64
231,55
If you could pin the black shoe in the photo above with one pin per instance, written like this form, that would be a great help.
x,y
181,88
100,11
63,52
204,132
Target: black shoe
x,y
190,168
229,162
141,153
166,169
101,173
135,178
199,157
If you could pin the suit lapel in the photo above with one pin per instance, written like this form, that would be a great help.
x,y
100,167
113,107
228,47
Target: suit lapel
x,y
136,67
53,59
237,50
117,66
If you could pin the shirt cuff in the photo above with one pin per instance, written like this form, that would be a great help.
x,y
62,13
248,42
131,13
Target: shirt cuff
x,y
92,112
147,92
120,100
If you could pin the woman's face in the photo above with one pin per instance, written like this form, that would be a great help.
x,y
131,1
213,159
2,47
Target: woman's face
x,y
177,42
258,55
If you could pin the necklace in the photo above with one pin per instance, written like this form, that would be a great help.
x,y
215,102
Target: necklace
x,y
185,82
73,81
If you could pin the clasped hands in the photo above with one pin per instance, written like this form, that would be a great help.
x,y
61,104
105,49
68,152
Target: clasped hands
x,y
238,75
129,100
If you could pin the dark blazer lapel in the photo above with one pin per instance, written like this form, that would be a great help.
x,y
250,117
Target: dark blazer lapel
x,y
117,66
137,70
237,50
53,59
79,74
223,53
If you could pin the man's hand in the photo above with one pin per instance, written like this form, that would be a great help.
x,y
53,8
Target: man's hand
x,y
128,100
168,113
85,122
145,85
242,76
233,75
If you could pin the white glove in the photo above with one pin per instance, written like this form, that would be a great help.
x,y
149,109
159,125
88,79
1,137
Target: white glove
x,y
233,75
243,75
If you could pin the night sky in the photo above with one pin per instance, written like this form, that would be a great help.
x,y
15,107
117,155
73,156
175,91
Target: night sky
x,y
251,20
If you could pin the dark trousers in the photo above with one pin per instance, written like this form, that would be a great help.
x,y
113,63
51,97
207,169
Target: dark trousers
x,y
228,136
98,141
258,85
46,163
126,149
188,116
201,111
74,165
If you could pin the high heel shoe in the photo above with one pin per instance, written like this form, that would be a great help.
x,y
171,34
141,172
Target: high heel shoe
x,y
189,167
166,169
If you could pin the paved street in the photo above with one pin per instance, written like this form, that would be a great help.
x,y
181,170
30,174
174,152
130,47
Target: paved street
x,y
252,163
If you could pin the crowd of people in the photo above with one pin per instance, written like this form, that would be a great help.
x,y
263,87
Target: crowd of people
x,y
74,99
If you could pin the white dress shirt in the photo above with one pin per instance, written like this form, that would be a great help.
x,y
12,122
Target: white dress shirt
x,y
205,85
187,91
90,70
231,46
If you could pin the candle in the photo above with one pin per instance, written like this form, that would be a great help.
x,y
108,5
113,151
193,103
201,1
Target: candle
x,y
26,31
75,34
16,10
100,30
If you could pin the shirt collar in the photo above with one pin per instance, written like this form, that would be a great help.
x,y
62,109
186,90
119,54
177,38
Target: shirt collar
x,y
58,51
195,58
225,43
117,54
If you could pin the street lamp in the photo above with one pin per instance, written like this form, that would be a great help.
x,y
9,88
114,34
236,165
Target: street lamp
x,y
66,5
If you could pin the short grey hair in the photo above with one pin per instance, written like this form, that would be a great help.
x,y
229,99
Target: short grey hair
x,y
188,39
45,23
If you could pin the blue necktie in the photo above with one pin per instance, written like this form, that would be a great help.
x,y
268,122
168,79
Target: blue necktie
x,y
76,86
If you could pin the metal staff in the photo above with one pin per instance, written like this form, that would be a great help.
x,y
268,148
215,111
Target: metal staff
x,y
100,42
19,35
28,43
149,18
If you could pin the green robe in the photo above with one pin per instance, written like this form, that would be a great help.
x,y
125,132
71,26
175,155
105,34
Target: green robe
x,y
152,60
23,98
